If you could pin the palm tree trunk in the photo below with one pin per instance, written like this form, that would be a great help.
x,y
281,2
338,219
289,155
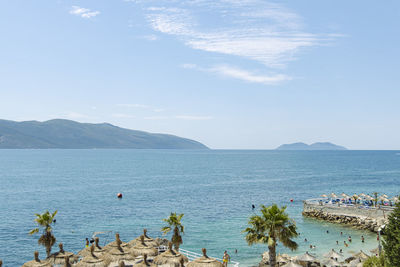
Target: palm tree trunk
x,y
272,256
48,251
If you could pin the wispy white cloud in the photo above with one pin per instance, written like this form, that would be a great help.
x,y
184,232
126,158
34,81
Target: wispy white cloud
x,y
150,37
248,76
83,12
241,74
156,118
258,30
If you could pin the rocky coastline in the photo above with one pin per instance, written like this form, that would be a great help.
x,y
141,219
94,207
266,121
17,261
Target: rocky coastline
x,y
370,220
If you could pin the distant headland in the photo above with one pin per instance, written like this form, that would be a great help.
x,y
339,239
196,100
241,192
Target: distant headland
x,y
69,134
315,146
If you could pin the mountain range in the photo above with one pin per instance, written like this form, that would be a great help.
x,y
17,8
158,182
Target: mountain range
x,y
60,133
315,146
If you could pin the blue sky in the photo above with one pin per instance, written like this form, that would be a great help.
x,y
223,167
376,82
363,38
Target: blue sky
x,y
229,73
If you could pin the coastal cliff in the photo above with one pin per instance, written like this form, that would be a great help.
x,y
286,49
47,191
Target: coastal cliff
x,y
367,219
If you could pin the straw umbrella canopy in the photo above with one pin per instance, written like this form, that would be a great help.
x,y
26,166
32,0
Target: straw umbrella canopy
x,y
36,262
98,250
114,244
205,261
281,259
385,196
93,260
395,199
333,254
147,240
145,263
362,195
324,195
306,257
170,257
66,262
355,263
142,248
345,195
119,253
375,250
291,264
362,255
333,195
332,263
59,257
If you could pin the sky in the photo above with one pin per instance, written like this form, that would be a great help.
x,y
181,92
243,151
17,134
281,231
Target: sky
x,y
232,74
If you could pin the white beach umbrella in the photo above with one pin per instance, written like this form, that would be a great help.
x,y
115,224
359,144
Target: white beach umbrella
x,y
291,264
333,254
332,263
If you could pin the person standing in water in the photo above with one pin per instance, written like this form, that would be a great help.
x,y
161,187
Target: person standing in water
x,y
226,258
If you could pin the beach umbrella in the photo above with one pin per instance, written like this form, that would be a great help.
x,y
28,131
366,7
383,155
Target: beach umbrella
x,y
98,250
355,263
332,263
361,255
66,262
280,259
147,240
385,196
306,257
362,195
333,254
395,199
119,253
170,257
291,264
145,263
375,251
344,195
59,257
113,244
36,262
93,260
142,248
324,195
333,195
205,261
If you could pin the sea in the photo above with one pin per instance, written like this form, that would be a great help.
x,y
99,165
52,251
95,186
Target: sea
x,y
214,189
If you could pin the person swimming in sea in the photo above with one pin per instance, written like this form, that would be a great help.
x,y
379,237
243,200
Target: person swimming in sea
x,y
349,239
362,239
345,244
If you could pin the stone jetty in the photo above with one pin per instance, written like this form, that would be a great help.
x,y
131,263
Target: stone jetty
x,y
360,217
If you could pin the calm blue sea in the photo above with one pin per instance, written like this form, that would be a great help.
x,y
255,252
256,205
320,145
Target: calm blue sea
x,y
214,189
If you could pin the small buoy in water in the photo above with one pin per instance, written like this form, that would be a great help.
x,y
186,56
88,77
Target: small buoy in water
x,y
119,195
291,200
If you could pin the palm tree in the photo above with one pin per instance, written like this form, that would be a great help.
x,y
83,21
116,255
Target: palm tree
x,y
47,238
375,197
273,225
174,222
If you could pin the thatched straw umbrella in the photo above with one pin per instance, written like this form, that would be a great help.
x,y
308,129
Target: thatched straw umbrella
x,y
332,263
113,244
93,260
145,263
361,255
147,240
306,258
324,195
142,248
291,264
66,262
36,262
280,259
170,257
205,261
333,254
59,257
97,249
119,253
355,263
333,195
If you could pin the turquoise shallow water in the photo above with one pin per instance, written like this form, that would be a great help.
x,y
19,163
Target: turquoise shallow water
x,y
214,189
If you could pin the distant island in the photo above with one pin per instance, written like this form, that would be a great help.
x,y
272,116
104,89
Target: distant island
x,y
67,134
315,146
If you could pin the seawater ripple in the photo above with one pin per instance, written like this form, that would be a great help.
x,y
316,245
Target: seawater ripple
x,y
214,188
